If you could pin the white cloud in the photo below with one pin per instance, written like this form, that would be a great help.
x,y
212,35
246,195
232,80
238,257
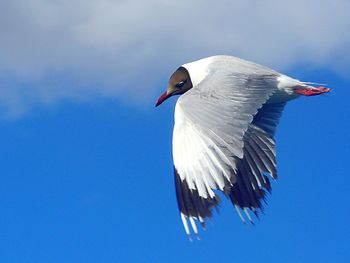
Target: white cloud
x,y
53,50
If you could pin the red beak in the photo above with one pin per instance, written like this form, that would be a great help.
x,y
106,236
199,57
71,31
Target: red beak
x,y
162,98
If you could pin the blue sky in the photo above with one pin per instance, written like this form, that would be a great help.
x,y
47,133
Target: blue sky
x,y
86,162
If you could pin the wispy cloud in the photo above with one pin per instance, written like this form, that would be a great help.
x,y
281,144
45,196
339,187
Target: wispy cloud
x,y
53,50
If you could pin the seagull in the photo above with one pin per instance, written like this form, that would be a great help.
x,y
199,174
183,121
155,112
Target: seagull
x,y
223,137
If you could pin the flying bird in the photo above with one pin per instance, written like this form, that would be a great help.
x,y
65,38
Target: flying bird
x,y
223,137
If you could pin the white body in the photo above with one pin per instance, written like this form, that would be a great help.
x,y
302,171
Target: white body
x,y
217,132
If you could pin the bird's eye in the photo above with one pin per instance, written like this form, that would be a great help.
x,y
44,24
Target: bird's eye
x,y
180,84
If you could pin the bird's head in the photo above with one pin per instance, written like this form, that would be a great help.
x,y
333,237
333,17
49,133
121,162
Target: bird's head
x,y
179,83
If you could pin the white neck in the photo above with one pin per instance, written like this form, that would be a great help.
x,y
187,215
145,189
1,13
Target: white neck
x,y
198,70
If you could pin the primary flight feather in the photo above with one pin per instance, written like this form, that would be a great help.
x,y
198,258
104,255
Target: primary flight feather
x,y
223,138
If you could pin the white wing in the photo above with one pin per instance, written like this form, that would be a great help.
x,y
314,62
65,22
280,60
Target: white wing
x,y
211,123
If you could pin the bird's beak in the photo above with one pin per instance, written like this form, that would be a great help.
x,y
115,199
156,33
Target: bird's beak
x,y
162,98
171,91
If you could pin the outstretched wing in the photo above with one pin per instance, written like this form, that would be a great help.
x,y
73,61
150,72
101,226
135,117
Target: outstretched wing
x,y
218,145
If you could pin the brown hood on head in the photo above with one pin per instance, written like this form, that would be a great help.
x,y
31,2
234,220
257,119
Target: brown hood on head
x,y
179,83
180,75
